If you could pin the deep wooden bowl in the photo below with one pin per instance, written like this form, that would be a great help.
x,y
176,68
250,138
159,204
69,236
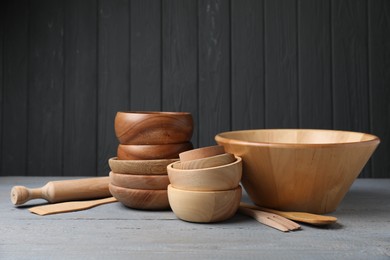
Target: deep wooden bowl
x,y
151,151
217,178
140,199
204,206
299,170
144,182
143,167
202,152
153,127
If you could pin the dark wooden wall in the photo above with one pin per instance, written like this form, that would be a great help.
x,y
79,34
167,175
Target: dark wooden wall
x,y
66,67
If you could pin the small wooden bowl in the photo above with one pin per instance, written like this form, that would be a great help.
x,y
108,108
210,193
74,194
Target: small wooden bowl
x,y
140,199
153,127
152,152
212,161
144,182
201,153
143,167
299,169
204,206
218,178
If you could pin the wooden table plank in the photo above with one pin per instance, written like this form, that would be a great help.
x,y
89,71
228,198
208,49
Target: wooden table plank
x,y
114,231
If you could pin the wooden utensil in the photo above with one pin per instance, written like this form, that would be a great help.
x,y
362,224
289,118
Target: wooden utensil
x,y
204,206
147,127
144,182
201,153
69,206
142,167
312,169
304,217
218,178
212,161
152,151
141,199
270,219
66,190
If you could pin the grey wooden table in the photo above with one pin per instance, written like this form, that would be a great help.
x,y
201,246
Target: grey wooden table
x,y
116,232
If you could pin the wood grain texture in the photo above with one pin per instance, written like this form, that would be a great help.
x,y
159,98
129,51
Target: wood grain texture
x,y
80,93
299,169
214,72
3,7
314,69
46,80
350,80
247,64
350,67
113,71
379,75
145,59
15,88
179,64
67,67
281,75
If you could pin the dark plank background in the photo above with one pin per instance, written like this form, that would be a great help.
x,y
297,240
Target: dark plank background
x,y
66,68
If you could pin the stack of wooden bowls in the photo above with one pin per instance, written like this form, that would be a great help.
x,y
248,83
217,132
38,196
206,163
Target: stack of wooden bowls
x,y
149,141
204,185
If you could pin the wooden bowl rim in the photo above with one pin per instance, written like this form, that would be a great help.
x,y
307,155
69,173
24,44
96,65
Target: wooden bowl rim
x,y
178,170
221,138
155,192
154,113
170,186
207,159
202,152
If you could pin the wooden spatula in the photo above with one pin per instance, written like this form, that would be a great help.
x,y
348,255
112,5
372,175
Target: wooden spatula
x,y
304,217
69,206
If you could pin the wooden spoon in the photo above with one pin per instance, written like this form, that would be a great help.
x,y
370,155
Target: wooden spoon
x,y
313,219
270,219
69,206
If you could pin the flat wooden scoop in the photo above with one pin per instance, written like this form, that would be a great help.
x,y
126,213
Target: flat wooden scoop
x,y
304,217
69,206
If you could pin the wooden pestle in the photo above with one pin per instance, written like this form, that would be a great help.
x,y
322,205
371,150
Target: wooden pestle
x,y
66,190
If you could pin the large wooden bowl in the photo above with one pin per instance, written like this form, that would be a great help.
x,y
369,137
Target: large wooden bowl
x,y
140,199
153,127
152,151
299,170
217,178
204,206
142,167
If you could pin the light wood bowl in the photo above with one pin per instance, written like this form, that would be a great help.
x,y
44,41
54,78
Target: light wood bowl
x,y
299,170
152,152
212,161
204,206
201,153
145,182
218,178
140,199
153,127
143,167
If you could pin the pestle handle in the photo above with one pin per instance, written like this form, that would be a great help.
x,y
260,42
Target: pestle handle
x,y
66,190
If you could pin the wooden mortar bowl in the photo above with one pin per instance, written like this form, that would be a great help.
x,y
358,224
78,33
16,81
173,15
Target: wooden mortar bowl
x,y
299,169
212,161
201,153
140,199
218,178
153,127
143,167
151,151
204,206
144,182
